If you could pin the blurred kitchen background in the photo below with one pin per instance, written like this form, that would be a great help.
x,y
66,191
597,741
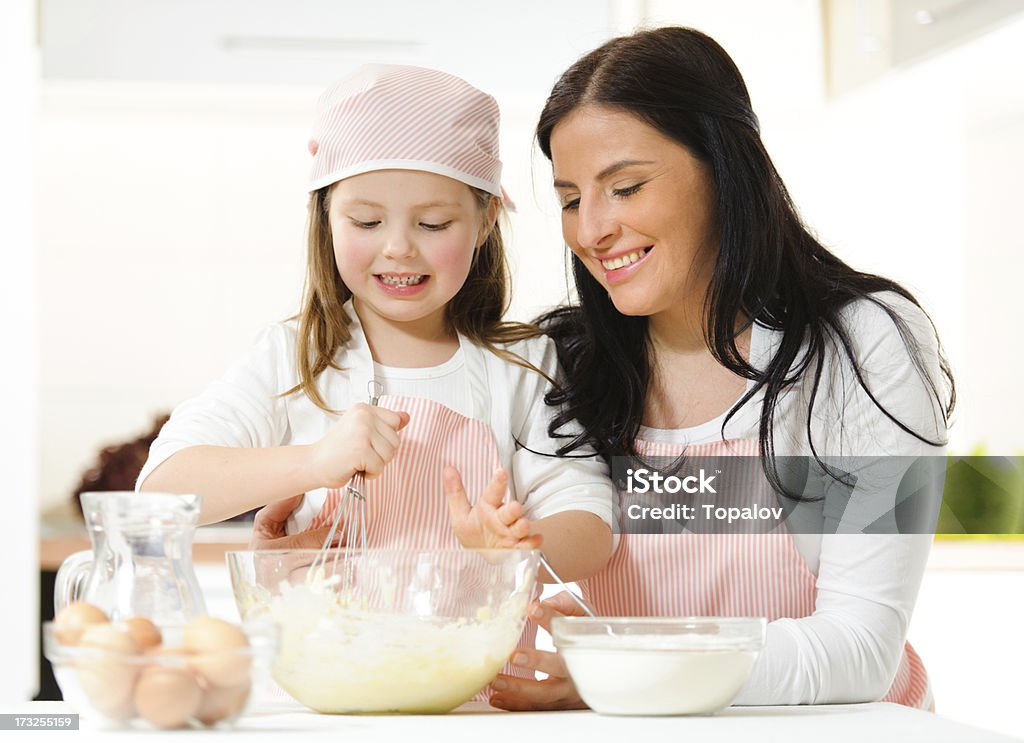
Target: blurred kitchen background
x,y
153,199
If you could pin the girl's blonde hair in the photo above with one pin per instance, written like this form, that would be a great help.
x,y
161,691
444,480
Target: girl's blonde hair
x,y
476,311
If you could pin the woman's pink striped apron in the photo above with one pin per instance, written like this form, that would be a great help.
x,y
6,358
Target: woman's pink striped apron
x,y
406,506
744,574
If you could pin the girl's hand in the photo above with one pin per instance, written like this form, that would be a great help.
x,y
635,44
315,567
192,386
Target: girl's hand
x,y
488,524
364,439
557,690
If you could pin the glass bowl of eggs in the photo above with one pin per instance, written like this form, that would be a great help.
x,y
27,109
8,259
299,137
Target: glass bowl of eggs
x,y
132,673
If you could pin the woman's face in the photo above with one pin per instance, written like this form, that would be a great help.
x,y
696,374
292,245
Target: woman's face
x,y
404,242
637,209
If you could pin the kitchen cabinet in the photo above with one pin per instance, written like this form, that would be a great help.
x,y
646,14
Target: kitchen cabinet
x,y
507,46
865,38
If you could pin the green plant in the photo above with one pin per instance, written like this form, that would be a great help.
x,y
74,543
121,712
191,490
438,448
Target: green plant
x,y
982,495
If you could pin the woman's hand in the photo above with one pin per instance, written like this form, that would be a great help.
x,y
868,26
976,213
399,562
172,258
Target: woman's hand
x,y
489,524
268,533
268,529
364,439
557,690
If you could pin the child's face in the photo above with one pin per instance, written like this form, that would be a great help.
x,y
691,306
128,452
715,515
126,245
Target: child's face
x,y
404,242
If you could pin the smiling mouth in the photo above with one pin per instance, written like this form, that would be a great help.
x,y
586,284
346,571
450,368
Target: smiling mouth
x,y
401,280
625,260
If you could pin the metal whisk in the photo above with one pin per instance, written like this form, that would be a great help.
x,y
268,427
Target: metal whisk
x,y
572,594
351,508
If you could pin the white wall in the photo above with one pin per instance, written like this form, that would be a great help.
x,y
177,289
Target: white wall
x,y
18,457
915,176
918,176
965,626
171,227
171,214
171,231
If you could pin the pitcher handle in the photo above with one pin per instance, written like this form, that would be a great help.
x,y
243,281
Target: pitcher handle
x,y
71,575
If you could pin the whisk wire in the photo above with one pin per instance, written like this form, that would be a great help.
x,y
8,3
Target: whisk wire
x,y
352,510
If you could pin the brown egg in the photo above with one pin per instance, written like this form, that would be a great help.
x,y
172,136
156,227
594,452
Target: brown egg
x,y
163,651
142,630
109,637
167,697
112,708
108,668
220,703
220,651
70,621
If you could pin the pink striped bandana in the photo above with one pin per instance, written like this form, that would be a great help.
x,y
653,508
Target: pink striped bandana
x,y
384,117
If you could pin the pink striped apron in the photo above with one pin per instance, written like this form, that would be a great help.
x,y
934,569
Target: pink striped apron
x,y
406,506
742,574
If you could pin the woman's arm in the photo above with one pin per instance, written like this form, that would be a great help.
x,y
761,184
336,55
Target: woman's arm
x,y
850,648
557,691
847,651
568,499
576,543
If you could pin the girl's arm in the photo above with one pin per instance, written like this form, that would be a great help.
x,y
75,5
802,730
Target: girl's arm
x,y
225,443
236,480
229,444
233,480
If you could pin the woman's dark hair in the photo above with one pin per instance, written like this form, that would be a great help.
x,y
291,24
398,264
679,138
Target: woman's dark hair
x,y
769,269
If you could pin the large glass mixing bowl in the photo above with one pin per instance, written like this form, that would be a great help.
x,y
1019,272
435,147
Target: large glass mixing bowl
x,y
374,631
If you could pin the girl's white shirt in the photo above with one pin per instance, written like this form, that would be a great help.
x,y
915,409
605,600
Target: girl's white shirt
x,y
245,409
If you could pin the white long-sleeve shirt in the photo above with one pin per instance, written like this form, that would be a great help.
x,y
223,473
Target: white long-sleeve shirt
x,y
849,648
245,409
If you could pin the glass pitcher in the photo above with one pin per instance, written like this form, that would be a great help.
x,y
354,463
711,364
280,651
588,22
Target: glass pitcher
x,y
141,558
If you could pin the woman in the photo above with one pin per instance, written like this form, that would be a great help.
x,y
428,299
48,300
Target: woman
x,y
711,320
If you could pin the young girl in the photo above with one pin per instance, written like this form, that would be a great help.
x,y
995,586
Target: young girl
x,y
406,287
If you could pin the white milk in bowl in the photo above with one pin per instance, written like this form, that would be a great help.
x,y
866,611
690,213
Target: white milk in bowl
x,y
658,665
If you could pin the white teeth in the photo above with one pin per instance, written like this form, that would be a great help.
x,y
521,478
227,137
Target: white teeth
x,y
624,260
401,280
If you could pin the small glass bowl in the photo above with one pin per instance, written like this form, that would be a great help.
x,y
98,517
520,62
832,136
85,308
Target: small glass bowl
x,y
161,688
658,665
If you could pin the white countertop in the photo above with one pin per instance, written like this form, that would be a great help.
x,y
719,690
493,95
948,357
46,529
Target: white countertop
x,y
478,723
